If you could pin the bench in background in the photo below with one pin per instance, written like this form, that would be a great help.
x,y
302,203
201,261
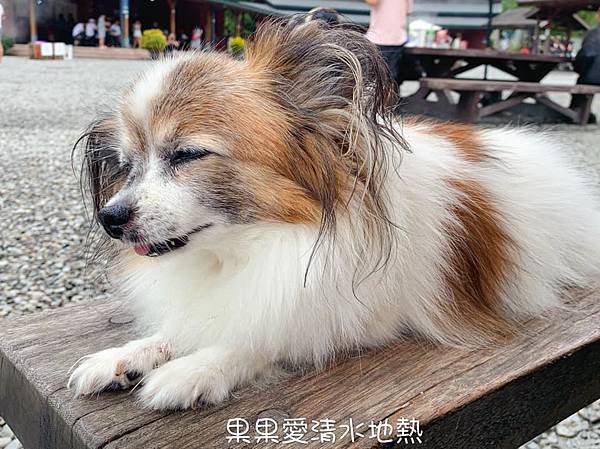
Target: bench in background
x,y
500,396
470,107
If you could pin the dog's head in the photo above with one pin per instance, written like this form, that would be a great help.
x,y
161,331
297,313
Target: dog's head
x,y
205,141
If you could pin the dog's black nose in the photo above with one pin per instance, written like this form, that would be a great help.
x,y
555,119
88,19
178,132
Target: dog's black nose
x,y
114,218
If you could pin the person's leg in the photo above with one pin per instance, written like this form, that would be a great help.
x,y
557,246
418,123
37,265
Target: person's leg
x,y
1,46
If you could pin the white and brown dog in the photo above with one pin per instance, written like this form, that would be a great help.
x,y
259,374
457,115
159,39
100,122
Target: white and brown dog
x,y
273,209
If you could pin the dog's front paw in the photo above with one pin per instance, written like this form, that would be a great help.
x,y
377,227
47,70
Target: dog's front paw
x,y
118,368
182,384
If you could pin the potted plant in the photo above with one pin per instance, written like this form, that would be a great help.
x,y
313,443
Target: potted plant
x,y
7,43
154,41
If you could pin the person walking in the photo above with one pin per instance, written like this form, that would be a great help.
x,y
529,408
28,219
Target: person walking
x,y
388,30
102,31
137,34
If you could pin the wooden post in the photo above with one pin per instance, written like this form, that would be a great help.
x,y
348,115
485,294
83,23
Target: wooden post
x,y
125,23
32,21
172,16
238,24
536,38
219,21
207,14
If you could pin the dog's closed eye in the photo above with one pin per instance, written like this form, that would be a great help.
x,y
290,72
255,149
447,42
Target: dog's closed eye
x,y
188,154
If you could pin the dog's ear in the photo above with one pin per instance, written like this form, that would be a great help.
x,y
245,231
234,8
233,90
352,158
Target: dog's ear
x,y
101,172
319,66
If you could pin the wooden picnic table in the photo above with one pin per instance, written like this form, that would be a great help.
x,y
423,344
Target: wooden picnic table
x,y
438,69
447,63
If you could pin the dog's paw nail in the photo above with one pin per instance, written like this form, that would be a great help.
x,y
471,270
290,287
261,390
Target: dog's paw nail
x,y
113,386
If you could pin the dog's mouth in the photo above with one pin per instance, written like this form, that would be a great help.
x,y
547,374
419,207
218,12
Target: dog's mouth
x,y
167,246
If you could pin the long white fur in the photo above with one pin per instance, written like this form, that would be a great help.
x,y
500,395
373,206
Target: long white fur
x,y
234,302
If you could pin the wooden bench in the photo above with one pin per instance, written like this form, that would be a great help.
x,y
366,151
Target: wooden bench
x,y
497,397
473,103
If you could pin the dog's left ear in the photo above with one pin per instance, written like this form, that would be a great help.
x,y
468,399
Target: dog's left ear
x,y
101,173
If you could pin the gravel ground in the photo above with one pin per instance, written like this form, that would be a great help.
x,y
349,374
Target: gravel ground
x,y
44,106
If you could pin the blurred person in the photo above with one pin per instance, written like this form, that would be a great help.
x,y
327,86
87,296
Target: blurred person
x,y
442,39
90,32
456,42
69,27
587,65
184,40
504,42
78,33
109,40
137,34
569,49
172,44
61,28
1,46
115,33
388,30
587,61
196,41
102,31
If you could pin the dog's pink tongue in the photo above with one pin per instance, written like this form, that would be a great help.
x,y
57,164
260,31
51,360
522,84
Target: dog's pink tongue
x,y
141,250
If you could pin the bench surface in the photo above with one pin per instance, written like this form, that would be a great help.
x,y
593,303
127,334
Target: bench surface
x,y
495,86
496,397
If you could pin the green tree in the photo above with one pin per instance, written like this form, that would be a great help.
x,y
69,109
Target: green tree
x,y
509,4
248,24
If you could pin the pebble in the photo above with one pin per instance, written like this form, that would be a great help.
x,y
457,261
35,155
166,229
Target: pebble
x,y
532,445
571,426
591,413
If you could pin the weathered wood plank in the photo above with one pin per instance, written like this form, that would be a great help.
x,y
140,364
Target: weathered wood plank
x,y
463,398
495,86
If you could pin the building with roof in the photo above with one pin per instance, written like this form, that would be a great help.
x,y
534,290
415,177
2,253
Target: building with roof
x,y
470,17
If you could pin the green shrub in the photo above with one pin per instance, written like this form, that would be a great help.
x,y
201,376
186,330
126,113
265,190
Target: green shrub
x,y
236,45
7,42
153,40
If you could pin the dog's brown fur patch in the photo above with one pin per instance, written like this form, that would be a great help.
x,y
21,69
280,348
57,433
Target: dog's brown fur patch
x,y
464,138
478,264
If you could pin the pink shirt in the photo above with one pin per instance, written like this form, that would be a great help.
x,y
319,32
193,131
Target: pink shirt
x,y
388,22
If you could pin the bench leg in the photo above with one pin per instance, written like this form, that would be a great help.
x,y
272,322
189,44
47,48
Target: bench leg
x,y
418,103
582,105
468,106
